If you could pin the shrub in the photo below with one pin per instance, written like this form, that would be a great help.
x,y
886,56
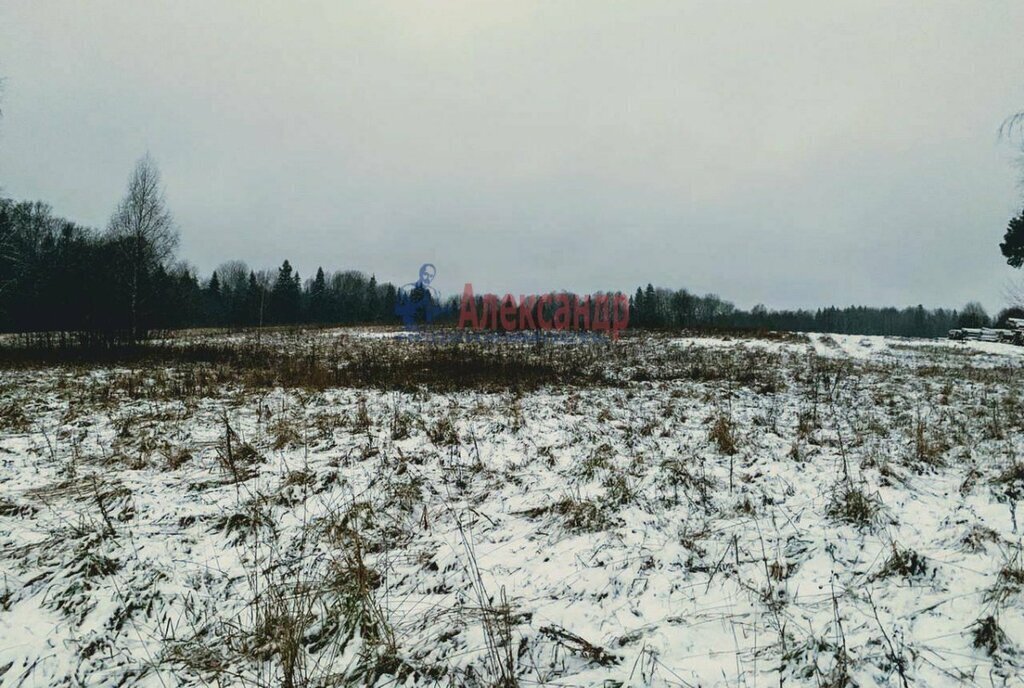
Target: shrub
x,y
721,434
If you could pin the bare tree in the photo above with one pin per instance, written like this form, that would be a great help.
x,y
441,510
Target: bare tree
x,y
973,315
143,227
1013,293
234,276
265,281
1012,127
1012,131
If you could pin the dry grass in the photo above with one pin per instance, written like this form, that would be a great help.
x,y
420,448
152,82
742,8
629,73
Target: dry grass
x,y
723,434
852,505
351,461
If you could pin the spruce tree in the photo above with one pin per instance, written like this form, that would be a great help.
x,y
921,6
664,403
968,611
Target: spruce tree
x,y
652,314
372,300
213,305
254,301
317,297
637,316
1013,241
388,305
285,295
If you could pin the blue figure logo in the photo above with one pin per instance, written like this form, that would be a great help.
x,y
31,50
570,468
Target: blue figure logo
x,y
418,301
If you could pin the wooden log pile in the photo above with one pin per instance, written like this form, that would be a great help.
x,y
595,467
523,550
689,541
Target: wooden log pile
x,y
1014,334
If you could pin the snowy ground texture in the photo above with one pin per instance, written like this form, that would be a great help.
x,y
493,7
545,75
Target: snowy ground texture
x,y
798,511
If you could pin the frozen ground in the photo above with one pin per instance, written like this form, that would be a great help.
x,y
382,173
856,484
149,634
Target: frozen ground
x,y
800,511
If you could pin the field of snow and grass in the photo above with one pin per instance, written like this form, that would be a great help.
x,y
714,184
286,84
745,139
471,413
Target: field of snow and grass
x,y
344,508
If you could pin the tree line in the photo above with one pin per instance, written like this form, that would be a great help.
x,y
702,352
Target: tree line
x,y
60,277
124,283
663,308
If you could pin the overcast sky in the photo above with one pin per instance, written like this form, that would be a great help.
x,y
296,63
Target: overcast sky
x,y
788,153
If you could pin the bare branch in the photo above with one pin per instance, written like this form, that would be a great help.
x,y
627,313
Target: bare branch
x,y
1012,128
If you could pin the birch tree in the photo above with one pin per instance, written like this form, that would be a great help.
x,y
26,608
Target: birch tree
x,y
144,230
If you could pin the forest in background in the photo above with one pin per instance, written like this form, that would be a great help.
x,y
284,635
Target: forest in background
x,y
125,282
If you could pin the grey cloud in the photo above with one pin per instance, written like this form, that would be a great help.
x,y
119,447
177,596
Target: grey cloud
x,y
795,153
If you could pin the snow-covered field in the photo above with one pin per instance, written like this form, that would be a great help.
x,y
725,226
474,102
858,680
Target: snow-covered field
x,y
799,511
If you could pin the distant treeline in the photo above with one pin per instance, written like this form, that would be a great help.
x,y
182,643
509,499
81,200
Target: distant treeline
x,y
663,308
123,284
56,276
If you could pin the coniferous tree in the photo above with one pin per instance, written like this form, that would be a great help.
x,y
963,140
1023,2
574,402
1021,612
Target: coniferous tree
x,y
285,296
255,297
1013,241
318,297
373,313
213,302
652,316
637,317
388,302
